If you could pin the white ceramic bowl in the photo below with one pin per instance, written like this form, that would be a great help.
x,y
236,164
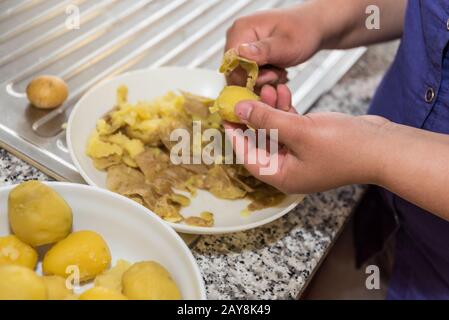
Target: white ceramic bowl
x,y
131,231
147,85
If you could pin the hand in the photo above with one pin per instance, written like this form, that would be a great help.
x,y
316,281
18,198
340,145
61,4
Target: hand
x,y
318,151
275,39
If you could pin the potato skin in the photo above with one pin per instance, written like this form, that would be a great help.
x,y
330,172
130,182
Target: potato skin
x,y
47,92
14,251
37,214
100,293
149,280
20,283
85,249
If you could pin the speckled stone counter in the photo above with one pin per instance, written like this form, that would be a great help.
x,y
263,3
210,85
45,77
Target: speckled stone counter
x,y
275,261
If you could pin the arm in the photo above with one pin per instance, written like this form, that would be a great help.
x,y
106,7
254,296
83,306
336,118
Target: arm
x,y
328,150
277,39
415,166
344,25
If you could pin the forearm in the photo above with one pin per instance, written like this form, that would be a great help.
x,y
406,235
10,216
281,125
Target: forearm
x,y
343,22
414,164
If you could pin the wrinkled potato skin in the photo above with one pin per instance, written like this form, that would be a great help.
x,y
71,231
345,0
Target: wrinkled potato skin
x,y
56,288
14,251
47,92
37,214
149,281
85,249
100,293
20,283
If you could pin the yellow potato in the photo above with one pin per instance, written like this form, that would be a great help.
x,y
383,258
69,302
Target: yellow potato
x,y
100,293
57,288
228,98
37,214
20,283
85,250
112,278
149,280
14,251
97,148
47,92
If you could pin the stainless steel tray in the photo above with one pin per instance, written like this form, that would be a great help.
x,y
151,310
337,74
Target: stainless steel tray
x,y
117,36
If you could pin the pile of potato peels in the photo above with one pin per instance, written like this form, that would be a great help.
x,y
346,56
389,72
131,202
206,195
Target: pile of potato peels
x,y
132,143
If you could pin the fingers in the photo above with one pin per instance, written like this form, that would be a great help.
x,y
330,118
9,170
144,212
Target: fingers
x,y
284,98
265,51
271,75
261,116
267,75
268,95
279,98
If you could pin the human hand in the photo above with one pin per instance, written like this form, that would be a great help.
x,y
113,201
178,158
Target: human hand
x,y
275,39
317,151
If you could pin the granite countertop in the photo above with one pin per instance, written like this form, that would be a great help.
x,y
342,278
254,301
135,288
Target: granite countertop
x,y
275,261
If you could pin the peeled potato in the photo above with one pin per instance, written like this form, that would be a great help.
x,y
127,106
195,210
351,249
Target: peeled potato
x,y
14,251
112,278
20,283
84,249
47,92
57,288
228,98
100,293
149,281
37,214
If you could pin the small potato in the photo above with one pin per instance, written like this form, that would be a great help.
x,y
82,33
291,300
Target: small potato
x,y
100,293
14,251
47,92
57,288
20,283
228,98
84,249
149,280
37,214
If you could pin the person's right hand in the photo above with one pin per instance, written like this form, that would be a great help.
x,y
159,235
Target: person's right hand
x,y
275,39
316,152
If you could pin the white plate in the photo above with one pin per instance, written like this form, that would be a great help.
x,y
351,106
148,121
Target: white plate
x,y
147,85
132,233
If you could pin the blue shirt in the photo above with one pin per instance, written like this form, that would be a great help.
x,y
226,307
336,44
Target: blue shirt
x,y
415,92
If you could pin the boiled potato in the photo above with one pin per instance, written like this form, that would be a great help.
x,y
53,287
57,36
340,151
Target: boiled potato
x,y
57,288
20,283
112,278
47,92
38,215
14,251
100,293
227,100
149,280
85,249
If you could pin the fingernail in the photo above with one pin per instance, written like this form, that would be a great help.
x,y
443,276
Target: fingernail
x,y
250,48
243,110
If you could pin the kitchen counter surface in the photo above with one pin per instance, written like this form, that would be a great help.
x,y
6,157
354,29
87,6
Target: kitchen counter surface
x,y
275,261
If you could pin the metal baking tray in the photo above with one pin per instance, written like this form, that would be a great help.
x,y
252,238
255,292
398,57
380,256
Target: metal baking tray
x,y
115,36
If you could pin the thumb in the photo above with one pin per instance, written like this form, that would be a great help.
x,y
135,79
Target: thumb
x,y
261,116
266,51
